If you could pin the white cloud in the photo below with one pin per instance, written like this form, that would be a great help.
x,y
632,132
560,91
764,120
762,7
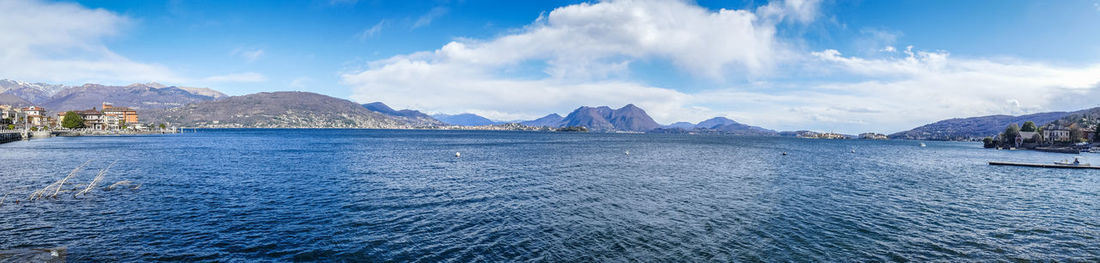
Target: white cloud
x,y
370,32
62,42
426,19
238,77
581,45
583,50
898,93
248,55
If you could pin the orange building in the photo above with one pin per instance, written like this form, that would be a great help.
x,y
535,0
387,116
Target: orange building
x,y
124,114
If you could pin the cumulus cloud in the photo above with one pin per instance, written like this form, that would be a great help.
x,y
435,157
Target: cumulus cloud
x,y
63,42
898,93
238,77
582,46
583,52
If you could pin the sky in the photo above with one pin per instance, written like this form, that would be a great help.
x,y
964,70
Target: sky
x,y
842,66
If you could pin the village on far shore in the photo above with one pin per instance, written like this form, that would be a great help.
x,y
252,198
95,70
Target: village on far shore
x,y
34,121
1074,137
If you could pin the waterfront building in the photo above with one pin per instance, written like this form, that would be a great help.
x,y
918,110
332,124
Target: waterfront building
x,y
36,116
93,119
1056,135
123,114
9,112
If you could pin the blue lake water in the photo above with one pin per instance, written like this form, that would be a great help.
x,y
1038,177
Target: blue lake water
x,y
382,195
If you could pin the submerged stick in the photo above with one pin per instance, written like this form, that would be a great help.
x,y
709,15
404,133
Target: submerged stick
x,y
98,177
62,182
42,192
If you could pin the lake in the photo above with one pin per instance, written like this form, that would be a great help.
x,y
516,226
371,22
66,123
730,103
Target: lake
x,y
402,195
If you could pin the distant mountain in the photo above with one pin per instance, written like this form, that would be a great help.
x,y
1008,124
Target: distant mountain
x,y
273,110
9,99
137,96
551,120
58,98
32,92
975,127
603,118
464,119
681,125
717,125
412,117
1083,118
724,125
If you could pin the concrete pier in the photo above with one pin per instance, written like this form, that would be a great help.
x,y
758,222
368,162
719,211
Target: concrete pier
x,y
10,136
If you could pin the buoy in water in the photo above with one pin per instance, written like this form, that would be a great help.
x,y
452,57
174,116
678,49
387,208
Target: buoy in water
x,y
458,154
627,152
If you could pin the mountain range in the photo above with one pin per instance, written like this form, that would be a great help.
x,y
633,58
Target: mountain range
x,y
465,119
274,110
977,127
410,117
202,107
57,98
717,125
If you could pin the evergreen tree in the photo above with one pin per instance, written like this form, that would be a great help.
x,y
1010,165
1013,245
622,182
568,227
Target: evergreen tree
x,y
72,121
1010,133
1029,127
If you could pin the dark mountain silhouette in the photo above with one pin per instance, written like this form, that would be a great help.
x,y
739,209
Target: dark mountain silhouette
x,y
603,118
412,117
274,110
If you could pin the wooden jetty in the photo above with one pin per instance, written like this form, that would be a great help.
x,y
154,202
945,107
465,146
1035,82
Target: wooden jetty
x,y
1067,166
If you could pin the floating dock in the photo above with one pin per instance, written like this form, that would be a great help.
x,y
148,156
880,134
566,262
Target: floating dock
x,y
1046,165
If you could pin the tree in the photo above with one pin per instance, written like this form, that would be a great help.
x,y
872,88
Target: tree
x,y
34,128
1029,127
72,121
1075,133
1010,133
162,126
1096,134
988,142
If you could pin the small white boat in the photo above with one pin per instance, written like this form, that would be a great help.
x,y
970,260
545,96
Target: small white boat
x,y
922,144
1076,162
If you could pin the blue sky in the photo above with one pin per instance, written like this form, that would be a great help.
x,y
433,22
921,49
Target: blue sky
x,y
849,66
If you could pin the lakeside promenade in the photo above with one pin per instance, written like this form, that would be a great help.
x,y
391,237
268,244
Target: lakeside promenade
x,y
7,136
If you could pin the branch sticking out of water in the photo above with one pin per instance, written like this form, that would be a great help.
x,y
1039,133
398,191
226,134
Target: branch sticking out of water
x,y
98,177
62,182
42,192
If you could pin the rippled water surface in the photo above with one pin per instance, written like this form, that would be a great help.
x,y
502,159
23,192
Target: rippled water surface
x,y
376,195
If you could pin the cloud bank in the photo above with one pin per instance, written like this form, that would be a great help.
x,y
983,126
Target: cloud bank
x,y
63,42
583,54
581,46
